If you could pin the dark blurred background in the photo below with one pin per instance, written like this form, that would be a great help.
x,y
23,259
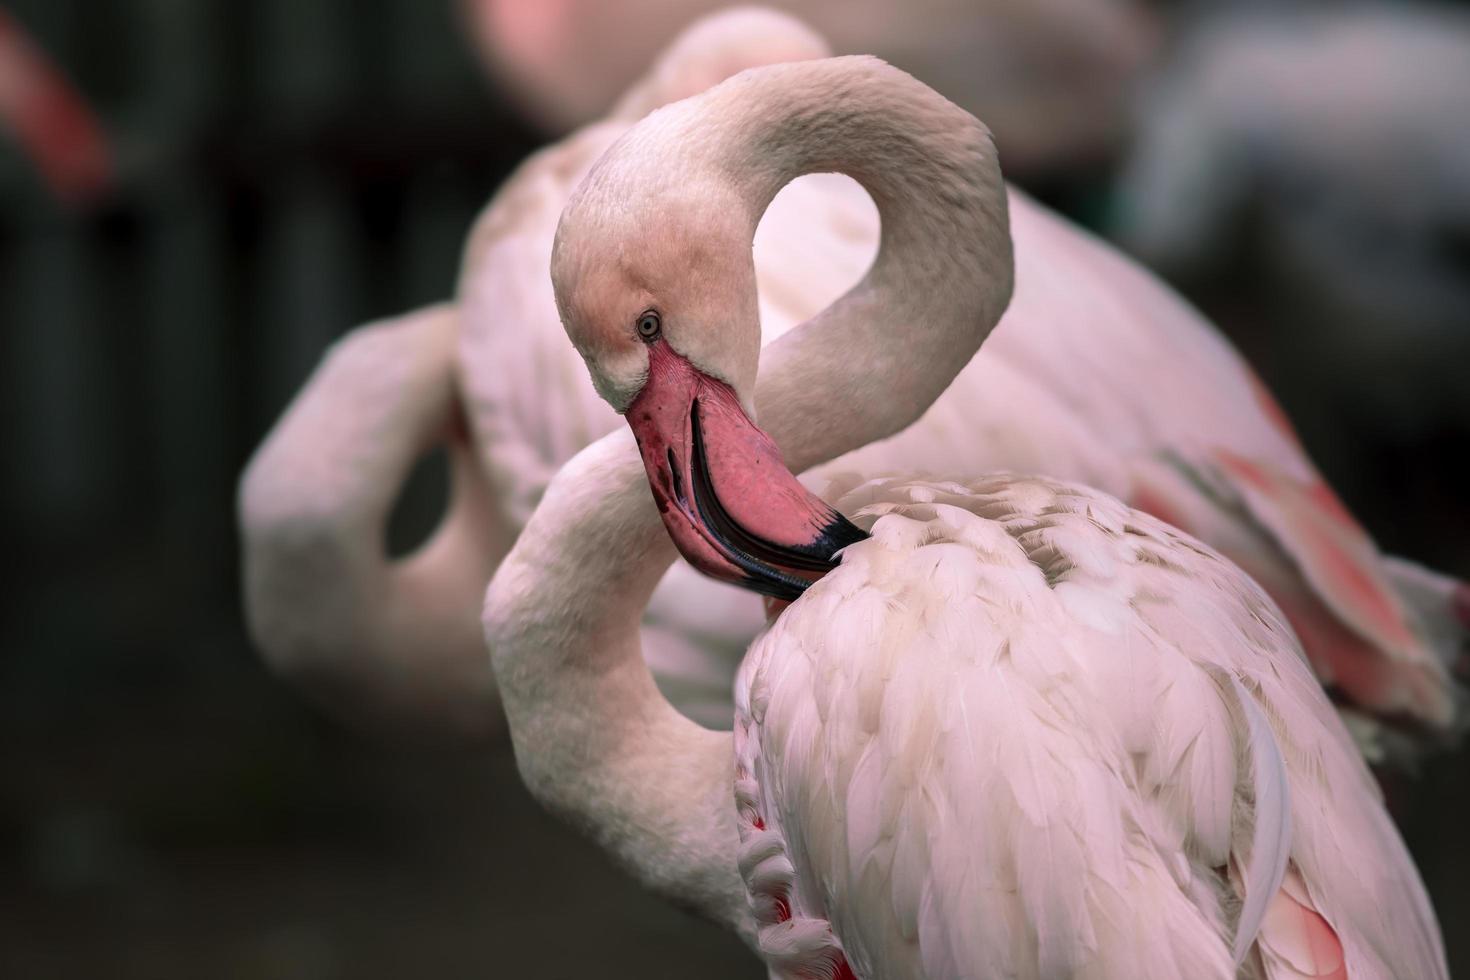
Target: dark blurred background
x,y
279,171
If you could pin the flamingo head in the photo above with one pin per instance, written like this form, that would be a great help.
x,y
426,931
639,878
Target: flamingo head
x,y
664,314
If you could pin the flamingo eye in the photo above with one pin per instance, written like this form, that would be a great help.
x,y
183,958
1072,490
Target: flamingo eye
x,y
649,326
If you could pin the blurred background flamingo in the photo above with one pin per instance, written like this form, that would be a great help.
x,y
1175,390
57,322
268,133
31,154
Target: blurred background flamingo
x,y
282,171
1139,396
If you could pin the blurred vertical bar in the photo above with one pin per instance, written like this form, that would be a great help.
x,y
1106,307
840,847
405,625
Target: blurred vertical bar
x,y
310,264
56,378
303,57
440,205
310,281
181,254
55,372
436,221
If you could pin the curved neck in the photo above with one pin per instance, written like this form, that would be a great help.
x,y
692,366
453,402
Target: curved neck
x,y
875,360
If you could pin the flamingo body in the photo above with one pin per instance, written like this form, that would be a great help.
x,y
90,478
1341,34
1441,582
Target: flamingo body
x,y
1010,736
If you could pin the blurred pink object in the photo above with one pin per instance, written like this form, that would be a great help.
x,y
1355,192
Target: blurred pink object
x,y
50,119
1049,77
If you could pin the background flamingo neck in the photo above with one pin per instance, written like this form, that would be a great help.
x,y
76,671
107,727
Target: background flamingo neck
x,y
872,362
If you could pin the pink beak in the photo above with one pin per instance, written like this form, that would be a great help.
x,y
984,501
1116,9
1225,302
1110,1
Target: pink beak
x,y
734,510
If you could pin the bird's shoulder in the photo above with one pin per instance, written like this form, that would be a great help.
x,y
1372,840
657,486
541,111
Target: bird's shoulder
x,y
1028,540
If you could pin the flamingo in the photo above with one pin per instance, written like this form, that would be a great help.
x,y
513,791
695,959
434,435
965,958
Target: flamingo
x,y
1005,727
1124,386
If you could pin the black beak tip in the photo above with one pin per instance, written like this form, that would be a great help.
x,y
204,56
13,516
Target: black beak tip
x,y
837,534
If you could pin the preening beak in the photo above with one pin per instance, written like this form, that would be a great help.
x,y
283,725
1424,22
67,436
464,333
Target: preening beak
x,y
734,510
